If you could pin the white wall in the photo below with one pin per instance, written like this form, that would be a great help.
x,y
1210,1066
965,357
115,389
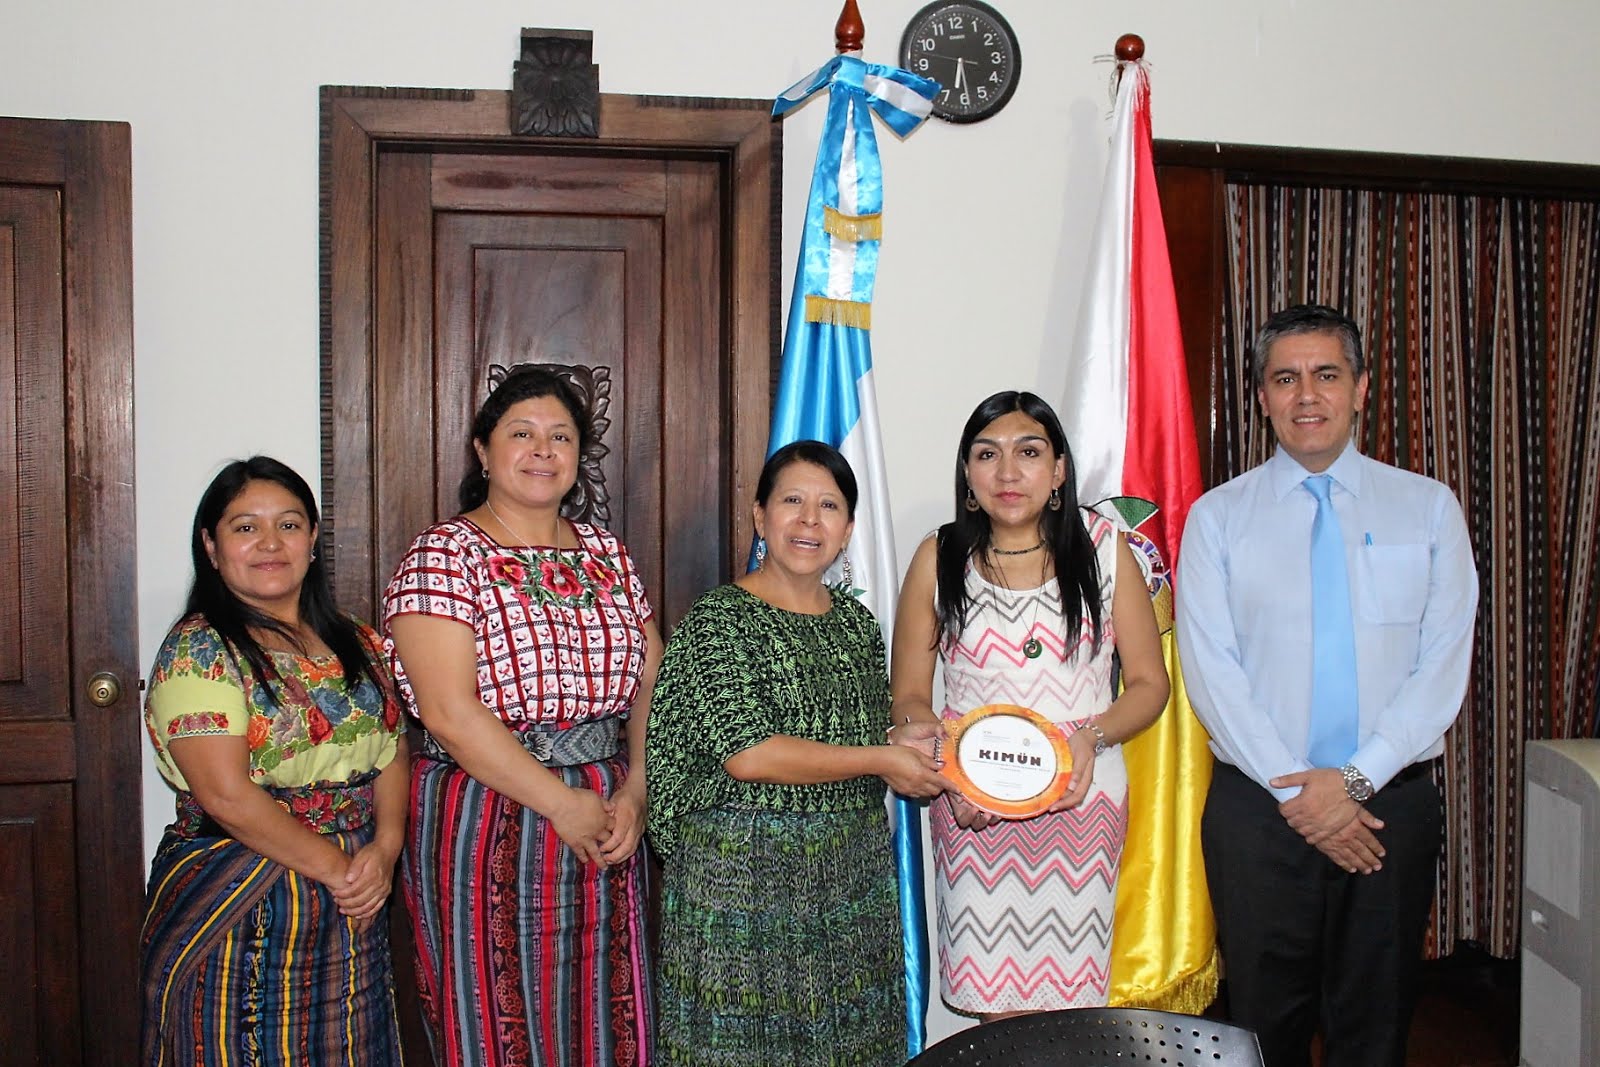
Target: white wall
x,y
986,225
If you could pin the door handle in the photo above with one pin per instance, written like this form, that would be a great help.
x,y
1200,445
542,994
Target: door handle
x,y
104,689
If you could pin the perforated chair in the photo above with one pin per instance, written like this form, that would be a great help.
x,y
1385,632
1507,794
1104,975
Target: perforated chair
x,y
1097,1037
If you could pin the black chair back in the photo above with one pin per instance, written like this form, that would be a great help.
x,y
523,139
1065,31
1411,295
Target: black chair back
x,y
1097,1037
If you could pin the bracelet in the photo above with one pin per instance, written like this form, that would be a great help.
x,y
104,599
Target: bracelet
x,y
896,725
1100,743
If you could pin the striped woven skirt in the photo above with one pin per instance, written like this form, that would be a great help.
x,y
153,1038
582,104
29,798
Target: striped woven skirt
x,y
525,955
243,961
780,941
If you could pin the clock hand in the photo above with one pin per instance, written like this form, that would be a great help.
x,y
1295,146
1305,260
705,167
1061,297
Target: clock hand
x,y
960,66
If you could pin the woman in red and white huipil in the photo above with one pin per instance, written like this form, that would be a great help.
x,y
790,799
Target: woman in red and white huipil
x,y
1023,598
524,644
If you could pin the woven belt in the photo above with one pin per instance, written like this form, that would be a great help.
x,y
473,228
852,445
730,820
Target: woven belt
x,y
326,807
553,746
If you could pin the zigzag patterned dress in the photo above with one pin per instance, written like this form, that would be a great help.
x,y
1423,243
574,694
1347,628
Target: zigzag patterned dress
x,y
1025,906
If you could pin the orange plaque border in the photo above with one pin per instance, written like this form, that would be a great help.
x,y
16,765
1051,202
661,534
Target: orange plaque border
x,y
1009,809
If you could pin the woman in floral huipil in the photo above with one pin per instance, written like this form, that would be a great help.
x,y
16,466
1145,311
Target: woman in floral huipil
x,y
525,645
272,715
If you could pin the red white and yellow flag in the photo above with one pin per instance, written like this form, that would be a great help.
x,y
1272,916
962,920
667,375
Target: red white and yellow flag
x,y
1128,419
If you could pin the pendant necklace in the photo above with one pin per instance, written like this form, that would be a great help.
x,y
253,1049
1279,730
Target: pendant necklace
x,y
507,526
1032,648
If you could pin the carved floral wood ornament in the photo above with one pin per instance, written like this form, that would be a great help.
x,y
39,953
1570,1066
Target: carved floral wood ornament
x,y
555,86
589,499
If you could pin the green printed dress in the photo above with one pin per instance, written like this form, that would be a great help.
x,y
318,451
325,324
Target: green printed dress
x,y
780,935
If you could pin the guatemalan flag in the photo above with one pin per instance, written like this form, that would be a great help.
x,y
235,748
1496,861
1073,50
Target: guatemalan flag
x,y
1128,417
826,391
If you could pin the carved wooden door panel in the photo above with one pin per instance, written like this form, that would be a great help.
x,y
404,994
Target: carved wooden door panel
x,y
607,270
71,873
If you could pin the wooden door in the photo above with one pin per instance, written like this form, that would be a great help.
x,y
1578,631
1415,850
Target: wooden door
x,y
452,249
71,870
608,269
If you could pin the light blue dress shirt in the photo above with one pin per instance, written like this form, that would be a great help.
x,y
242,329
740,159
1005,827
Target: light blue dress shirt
x,y
1244,613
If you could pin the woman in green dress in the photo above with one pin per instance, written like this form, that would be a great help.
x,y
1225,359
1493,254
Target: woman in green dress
x,y
766,761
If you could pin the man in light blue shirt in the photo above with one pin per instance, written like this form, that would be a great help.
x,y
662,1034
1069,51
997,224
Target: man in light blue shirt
x,y
1325,625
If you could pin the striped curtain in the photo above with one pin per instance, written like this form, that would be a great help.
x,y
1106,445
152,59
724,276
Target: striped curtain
x,y
1479,315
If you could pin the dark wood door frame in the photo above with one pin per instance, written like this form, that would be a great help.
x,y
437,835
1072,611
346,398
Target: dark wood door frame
x,y
1192,176
357,122
97,750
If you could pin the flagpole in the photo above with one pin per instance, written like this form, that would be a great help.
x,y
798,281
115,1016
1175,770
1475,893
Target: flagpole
x,y
849,37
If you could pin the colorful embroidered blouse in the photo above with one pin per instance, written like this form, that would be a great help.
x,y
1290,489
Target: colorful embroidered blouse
x,y
560,632
317,732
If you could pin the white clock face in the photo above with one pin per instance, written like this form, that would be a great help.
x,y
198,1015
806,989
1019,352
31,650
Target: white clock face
x,y
971,51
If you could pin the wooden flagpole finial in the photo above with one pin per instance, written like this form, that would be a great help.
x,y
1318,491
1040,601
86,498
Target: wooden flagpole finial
x,y
849,33
1130,49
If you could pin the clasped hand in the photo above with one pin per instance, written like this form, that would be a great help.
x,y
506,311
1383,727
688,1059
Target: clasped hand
x,y
585,822
914,760
1329,820
367,881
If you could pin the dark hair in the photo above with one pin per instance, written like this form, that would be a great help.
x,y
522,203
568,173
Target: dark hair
x,y
814,452
1307,318
232,618
1063,531
523,383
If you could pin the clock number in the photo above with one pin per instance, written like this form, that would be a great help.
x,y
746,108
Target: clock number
x,y
938,29
996,58
926,44
944,96
988,40
966,100
995,77
922,62
957,22
983,92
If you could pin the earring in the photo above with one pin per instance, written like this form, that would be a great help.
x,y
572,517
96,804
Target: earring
x,y
972,500
313,557
849,572
484,472
761,552
1055,500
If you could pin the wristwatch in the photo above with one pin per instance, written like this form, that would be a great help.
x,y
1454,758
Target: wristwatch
x,y
1357,786
1099,737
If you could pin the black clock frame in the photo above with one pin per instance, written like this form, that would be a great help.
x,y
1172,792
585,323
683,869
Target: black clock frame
x,y
978,7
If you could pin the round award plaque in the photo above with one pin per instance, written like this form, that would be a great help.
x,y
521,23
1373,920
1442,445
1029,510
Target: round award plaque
x,y
1008,760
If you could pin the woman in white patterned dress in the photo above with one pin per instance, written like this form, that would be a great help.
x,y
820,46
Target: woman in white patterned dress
x,y
1023,599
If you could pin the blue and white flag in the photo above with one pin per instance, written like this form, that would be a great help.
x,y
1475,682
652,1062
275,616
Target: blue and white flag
x,y
826,393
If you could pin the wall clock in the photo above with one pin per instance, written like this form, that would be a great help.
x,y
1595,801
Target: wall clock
x,y
970,50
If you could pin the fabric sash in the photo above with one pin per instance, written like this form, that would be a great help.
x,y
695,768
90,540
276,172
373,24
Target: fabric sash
x,y
553,746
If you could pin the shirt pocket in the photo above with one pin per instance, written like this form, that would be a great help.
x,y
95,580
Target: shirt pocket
x,y
1392,587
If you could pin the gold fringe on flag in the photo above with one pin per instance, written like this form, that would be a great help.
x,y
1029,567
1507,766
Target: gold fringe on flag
x,y
1163,942
852,227
839,312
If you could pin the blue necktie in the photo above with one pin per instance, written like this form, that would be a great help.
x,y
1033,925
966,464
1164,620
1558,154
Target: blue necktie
x,y
1335,718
